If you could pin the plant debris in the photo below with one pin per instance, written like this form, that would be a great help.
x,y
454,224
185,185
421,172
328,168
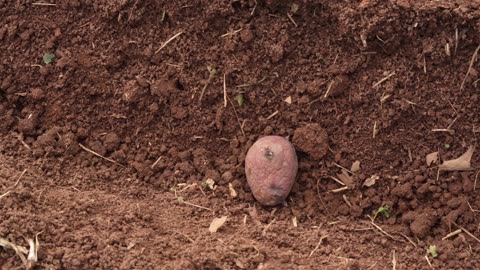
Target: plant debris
x,y
371,181
355,166
48,58
216,224
431,158
463,163
233,192
239,99
32,254
432,250
209,184
346,178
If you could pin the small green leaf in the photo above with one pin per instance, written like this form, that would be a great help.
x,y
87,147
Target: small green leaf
x,y
180,198
48,58
239,99
432,250
385,210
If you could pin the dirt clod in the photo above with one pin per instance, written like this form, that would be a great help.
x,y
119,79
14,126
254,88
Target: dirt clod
x,y
311,139
423,223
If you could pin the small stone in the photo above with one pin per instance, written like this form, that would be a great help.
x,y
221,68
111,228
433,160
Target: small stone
x,y
163,88
246,35
44,70
142,82
227,176
276,52
37,94
98,148
25,35
131,92
112,141
339,85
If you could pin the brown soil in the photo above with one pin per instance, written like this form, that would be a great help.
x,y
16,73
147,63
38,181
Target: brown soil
x,y
377,75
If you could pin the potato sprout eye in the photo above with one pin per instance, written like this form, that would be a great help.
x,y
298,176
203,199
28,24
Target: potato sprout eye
x,y
268,153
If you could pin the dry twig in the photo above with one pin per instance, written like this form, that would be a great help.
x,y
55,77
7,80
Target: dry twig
x,y
236,116
474,56
211,72
475,183
383,80
459,231
224,91
272,115
467,232
197,206
5,194
385,233
232,33
394,260
318,245
156,162
264,232
291,19
408,239
428,261
337,180
339,189
98,155
44,4
18,179
168,41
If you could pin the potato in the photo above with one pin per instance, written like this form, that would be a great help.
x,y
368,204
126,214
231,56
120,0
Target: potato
x,y
271,167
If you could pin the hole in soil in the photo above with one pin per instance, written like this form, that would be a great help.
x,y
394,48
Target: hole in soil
x,y
236,5
179,85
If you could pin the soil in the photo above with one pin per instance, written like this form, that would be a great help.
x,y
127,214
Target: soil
x,y
117,141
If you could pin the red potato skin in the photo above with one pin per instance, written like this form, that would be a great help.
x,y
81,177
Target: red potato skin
x,y
271,167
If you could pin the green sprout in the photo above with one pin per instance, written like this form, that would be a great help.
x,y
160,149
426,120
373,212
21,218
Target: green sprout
x,y
180,198
239,99
432,250
205,185
48,58
384,210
